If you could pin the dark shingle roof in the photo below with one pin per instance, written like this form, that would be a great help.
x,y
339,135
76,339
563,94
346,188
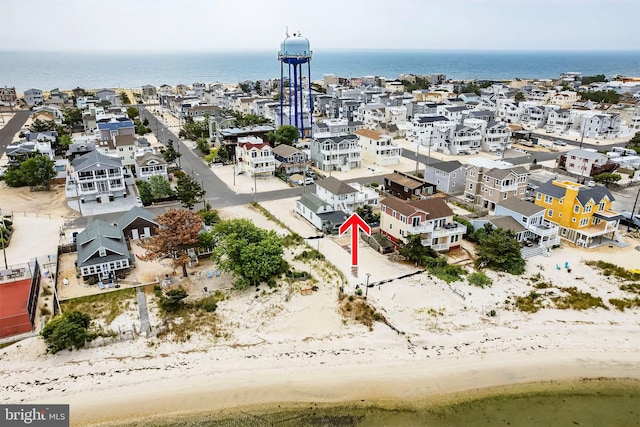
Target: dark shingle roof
x,y
133,213
405,181
434,207
520,206
596,193
548,189
431,119
100,234
448,167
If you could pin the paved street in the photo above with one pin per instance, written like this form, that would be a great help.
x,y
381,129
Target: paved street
x,y
11,128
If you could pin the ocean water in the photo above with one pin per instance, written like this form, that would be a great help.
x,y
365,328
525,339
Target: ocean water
x,y
48,70
596,403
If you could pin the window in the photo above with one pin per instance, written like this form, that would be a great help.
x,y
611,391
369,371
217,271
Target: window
x,y
453,184
601,206
403,218
550,213
584,221
548,199
504,195
390,226
402,232
587,208
573,220
472,173
455,238
470,186
539,196
576,209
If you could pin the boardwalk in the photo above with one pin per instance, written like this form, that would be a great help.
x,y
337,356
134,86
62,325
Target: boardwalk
x,y
145,326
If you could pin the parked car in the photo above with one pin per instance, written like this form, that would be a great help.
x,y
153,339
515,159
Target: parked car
x,y
560,143
631,221
311,174
306,181
138,202
591,183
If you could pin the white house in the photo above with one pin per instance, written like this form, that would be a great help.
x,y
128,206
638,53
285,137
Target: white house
x,y
496,137
531,217
343,196
33,97
336,153
150,164
449,177
378,149
255,157
98,177
581,162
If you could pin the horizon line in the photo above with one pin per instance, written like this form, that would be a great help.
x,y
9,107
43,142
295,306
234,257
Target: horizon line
x,y
330,49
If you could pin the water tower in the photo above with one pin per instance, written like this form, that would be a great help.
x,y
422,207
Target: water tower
x,y
295,53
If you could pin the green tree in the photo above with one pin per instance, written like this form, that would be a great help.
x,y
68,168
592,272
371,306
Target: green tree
x,y
189,191
124,98
250,253
169,153
42,125
634,143
593,79
195,129
607,178
499,250
285,134
203,145
606,96
67,331
178,232
419,84
65,141
145,122
258,88
133,112
416,252
172,300
145,192
71,116
245,87
160,187
366,213
38,171
519,96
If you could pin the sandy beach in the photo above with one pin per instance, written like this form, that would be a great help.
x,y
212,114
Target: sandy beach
x,y
286,347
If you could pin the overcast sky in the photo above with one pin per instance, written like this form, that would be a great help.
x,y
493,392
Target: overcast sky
x,y
170,25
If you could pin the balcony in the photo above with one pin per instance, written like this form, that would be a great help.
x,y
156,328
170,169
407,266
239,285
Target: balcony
x,y
419,229
449,230
543,230
511,187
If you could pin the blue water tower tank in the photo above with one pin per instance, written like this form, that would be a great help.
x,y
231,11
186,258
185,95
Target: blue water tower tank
x,y
295,46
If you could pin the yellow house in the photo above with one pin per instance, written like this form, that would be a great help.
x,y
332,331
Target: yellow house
x,y
583,214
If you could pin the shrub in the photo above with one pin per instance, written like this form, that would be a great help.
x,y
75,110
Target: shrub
x,y
479,279
67,332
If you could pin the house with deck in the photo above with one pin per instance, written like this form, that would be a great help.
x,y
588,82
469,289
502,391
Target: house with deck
x,y
431,219
102,251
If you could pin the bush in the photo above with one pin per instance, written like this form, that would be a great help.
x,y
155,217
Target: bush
x,y
479,279
172,301
67,332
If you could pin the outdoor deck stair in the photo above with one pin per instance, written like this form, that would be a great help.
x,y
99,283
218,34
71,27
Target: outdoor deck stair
x,y
145,326
532,251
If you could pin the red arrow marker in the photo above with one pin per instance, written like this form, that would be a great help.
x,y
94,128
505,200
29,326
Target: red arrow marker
x,y
354,222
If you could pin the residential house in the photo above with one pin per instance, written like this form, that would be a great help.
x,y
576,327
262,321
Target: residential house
x,y
488,187
463,139
47,135
320,213
582,213
150,164
102,251
149,91
564,99
534,116
7,94
124,147
79,148
78,92
585,163
336,153
335,127
559,120
105,94
406,186
496,137
431,219
48,112
505,222
531,217
254,157
290,160
56,96
138,223
378,149
347,197
605,126
98,177
33,97
333,202
448,177
108,130
19,152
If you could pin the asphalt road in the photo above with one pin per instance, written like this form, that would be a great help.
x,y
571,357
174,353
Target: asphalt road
x,y
10,129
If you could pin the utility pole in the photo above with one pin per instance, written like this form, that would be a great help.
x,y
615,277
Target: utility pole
x,y
4,252
582,136
366,289
417,154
